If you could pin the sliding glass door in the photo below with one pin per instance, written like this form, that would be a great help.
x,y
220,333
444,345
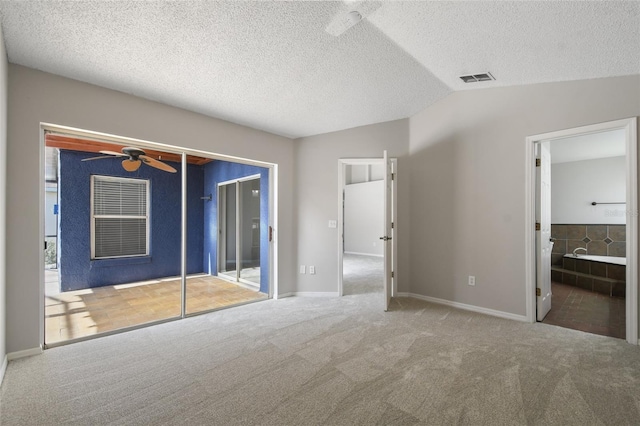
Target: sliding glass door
x,y
239,227
228,247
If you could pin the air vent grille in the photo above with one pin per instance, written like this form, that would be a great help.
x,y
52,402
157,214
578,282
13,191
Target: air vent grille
x,y
472,78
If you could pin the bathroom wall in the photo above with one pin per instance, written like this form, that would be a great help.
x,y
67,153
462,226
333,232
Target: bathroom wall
x,y
600,240
575,185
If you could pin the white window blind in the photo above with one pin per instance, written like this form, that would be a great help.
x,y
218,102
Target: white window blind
x,y
119,211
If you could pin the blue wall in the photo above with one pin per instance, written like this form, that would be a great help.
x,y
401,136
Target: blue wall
x,y
78,271
222,171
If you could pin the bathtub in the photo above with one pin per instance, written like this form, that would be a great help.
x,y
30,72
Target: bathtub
x,y
602,259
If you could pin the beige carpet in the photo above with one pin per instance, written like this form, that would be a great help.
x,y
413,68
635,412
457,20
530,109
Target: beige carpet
x,y
331,361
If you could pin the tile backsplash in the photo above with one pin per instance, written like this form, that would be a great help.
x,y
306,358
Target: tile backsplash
x,y
601,240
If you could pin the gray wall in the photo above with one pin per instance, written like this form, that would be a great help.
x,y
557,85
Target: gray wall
x,y
574,185
3,194
461,163
36,97
467,182
316,159
364,218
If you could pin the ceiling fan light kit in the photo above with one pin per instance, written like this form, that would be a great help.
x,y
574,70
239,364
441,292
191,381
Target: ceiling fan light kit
x,y
136,157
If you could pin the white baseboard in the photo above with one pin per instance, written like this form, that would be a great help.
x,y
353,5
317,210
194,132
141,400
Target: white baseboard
x,y
464,306
309,294
3,368
364,254
21,354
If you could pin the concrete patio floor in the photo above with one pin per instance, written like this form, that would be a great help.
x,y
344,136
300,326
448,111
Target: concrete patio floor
x,y
81,313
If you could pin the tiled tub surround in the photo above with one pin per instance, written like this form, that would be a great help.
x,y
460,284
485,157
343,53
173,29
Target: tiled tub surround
x,y
600,240
604,278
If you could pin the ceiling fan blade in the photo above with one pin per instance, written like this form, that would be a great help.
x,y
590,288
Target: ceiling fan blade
x,y
118,154
157,164
131,165
96,158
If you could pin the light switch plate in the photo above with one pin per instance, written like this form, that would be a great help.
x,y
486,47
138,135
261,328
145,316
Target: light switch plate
x,y
333,224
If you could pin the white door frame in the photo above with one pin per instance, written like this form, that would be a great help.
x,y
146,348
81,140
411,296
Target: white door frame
x,y
630,127
342,166
87,134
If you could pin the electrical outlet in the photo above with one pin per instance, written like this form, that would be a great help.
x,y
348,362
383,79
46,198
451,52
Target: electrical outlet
x,y
472,280
312,270
303,269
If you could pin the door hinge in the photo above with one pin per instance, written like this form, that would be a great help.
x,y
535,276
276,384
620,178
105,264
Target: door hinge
x,y
537,162
537,226
391,225
393,176
392,274
538,291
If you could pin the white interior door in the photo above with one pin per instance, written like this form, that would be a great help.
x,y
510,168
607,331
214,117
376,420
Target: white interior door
x,y
544,244
388,249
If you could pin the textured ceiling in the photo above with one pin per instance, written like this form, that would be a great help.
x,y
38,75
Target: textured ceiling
x,y
275,66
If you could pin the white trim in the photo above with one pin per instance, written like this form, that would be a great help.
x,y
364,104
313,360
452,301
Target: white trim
x,y
364,254
310,294
242,179
630,127
273,223
342,163
183,234
3,368
41,230
465,307
631,294
25,353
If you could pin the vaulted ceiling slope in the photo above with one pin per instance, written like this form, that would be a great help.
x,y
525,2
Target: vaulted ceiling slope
x,y
277,66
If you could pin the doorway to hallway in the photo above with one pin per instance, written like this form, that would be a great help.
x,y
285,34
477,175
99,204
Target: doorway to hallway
x,y
367,249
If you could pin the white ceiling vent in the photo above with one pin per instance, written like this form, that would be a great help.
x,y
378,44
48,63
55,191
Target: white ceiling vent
x,y
472,78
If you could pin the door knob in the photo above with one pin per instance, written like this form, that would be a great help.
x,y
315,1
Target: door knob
x,y
385,238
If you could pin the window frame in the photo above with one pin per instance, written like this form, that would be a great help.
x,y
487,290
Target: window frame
x,y
146,217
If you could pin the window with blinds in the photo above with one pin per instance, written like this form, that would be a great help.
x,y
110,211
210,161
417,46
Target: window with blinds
x,y
119,217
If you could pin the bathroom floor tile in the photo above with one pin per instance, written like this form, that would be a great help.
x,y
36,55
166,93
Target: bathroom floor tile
x,y
579,309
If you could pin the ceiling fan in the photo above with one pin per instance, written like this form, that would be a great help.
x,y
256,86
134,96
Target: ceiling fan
x,y
135,157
